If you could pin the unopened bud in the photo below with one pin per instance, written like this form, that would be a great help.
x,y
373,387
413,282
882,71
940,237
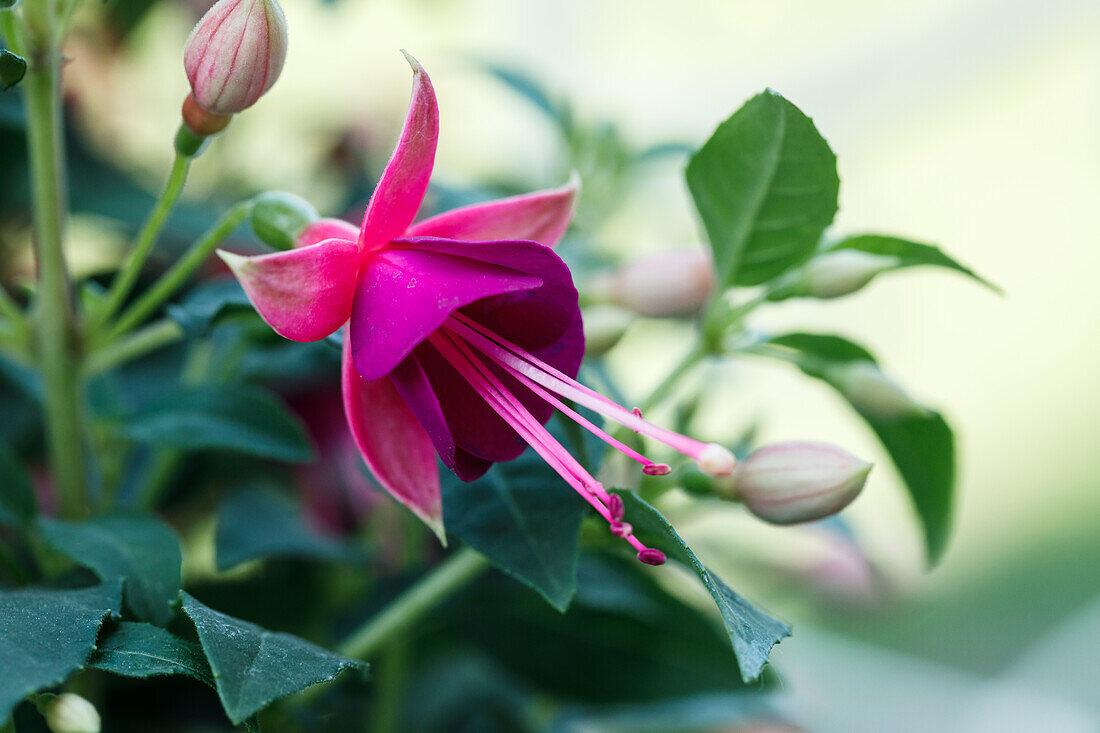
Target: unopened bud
x,y
841,272
716,460
872,392
661,285
235,54
279,218
69,713
787,483
604,326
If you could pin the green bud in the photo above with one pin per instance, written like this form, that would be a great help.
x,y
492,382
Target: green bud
x,y
69,713
278,218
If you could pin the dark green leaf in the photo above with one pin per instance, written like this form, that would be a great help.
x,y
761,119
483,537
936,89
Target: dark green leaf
x,y
253,666
233,418
207,304
45,636
17,504
714,711
525,519
141,549
256,523
765,185
752,632
908,254
143,650
920,444
623,638
8,4
12,69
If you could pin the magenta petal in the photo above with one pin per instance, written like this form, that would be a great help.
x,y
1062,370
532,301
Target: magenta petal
x,y
323,229
403,184
542,216
410,380
304,294
393,444
406,291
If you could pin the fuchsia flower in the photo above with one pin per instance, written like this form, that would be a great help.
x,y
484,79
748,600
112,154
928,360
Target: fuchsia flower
x,y
463,331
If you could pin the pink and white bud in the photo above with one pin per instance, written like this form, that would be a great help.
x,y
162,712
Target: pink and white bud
x,y
872,392
661,285
788,483
69,713
841,272
235,54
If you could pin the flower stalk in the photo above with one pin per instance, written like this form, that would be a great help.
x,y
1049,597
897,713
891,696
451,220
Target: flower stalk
x,y
56,342
448,577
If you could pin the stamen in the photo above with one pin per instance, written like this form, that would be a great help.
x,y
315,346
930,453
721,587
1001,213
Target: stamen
x,y
712,458
651,556
648,467
615,506
505,404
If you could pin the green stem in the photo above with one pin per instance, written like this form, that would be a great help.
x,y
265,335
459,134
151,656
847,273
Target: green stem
x,y
389,695
128,348
58,353
10,32
673,378
177,275
448,577
147,237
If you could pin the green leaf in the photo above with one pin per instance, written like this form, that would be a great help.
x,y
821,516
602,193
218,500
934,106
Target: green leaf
x,y
257,523
12,69
909,254
45,636
208,304
17,503
752,632
921,444
8,4
525,520
140,549
765,185
624,638
216,417
253,666
142,650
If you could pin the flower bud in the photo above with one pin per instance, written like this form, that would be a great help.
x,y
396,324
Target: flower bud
x,y
872,392
840,272
69,713
661,285
235,54
604,326
787,483
278,218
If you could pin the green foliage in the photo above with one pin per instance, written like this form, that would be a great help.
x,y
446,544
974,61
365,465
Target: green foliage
x,y
142,650
921,444
623,639
257,522
138,548
525,519
17,503
752,632
208,304
765,186
12,69
908,254
46,635
214,417
253,666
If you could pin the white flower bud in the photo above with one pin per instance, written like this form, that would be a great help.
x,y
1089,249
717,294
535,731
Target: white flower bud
x,y
787,483
872,392
604,326
661,285
69,713
841,272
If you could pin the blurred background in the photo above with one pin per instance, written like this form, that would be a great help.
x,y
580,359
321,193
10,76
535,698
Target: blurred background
x,y
970,124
